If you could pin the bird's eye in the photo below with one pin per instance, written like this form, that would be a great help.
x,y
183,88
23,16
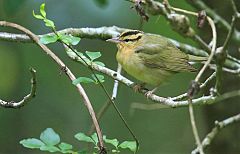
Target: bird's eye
x,y
127,40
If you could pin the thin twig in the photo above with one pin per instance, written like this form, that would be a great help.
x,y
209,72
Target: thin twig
x,y
236,13
68,73
27,98
203,85
221,55
229,35
106,105
196,81
116,83
225,96
67,47
217,18
218,127
214,33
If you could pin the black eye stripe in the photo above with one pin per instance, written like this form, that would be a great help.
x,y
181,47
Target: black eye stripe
x,y
130,33
135,39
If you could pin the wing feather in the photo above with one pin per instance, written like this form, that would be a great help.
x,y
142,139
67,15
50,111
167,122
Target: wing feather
x,y
164,56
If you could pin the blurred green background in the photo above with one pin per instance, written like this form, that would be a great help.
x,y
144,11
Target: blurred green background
x,y
59,106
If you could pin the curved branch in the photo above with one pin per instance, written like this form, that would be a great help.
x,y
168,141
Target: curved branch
x,y
67,71
27,98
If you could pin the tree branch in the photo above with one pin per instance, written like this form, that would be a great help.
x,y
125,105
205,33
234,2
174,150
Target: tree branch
x,y
218,127
155,106
217,18
67,72
104,33
27,98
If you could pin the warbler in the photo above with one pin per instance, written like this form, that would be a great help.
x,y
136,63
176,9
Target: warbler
x,y
150,58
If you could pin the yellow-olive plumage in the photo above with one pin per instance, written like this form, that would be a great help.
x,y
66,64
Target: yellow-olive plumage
x,y
150,58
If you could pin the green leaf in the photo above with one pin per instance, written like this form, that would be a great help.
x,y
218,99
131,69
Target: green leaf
x,y
32,143
50,137
65,146
115,151
75,40
93,55
100,78
37,16
99,63
46,39
95,138
84,138
49,148
114,142
82,80
42,10
49,23
69,39
84,57
129,145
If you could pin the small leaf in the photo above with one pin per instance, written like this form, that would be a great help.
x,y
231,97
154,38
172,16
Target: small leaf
x,y
49,148
49,23
115,151
46,39
37,16
99,77
42,10
50,137
83,56
114,142
83,137
93,55
129,144
75,40
99,63
69,39
32,143
82,80
65,146
95,138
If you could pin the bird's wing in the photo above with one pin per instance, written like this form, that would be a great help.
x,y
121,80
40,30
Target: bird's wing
x,y
164,56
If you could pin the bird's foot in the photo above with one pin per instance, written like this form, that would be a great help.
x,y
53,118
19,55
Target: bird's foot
x,y
138,87
149,93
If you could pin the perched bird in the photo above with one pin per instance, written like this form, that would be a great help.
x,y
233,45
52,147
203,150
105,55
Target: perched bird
x,y
150,58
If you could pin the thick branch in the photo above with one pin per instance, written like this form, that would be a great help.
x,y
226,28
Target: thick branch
x,y
165,101
27,98
104,33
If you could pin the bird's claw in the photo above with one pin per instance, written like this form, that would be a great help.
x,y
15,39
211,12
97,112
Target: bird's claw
x,y
138,87
148,93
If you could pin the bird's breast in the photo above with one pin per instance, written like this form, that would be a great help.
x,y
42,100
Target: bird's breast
x,y
135,67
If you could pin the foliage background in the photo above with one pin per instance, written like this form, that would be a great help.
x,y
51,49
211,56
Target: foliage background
x,y
59,106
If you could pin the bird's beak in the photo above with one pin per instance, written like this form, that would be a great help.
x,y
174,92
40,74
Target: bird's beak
x,y
114,40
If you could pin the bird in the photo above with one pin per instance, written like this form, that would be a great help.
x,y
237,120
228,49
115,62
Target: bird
x,y
151,59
